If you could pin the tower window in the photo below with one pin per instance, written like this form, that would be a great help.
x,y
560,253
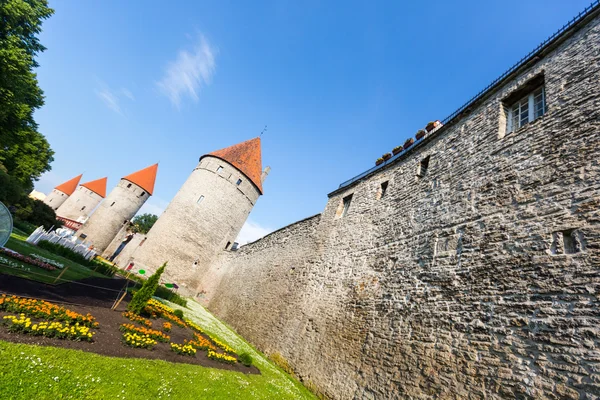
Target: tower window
x,y
383,189
423,166
200,199
143,194
346,201
219,169
129,185
239,182
526,110
227,245
113,203
82,208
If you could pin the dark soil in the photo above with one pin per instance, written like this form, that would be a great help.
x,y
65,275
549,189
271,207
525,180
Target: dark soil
x,y
107,340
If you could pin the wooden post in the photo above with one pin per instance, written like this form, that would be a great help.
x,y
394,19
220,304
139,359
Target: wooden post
x,y
119,301
61,274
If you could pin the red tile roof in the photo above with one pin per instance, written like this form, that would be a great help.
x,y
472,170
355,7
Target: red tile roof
x,y
144,178
69,186
98,186
246,157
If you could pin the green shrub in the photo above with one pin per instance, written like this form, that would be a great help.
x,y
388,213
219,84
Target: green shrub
x,y
245,359
69,254
178,313
24,226
168,294
141,297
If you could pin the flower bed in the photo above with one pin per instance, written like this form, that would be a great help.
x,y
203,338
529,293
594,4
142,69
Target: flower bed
x,y
137,340
47,260
222,345
27,259
167,326
136,318
156,335
221,357
183,349
45,310
156,309
194,326
49,329
200,343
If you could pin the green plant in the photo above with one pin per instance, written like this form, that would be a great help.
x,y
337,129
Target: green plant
x,y
178,313
282,363
379,161
245,359
141,297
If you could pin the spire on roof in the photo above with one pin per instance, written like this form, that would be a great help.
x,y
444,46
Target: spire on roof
x,y
246,157
144,178
98,186
69,186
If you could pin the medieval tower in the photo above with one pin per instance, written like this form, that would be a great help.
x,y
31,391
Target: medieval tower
x,y
119,207
206,215
60,193
79,206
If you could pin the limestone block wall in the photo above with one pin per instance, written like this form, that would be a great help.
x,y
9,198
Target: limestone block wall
x,y
476,279
204,218
119,207
55,199
79,205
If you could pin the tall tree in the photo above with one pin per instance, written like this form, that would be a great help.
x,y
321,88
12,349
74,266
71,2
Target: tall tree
x,y
24,152
143,223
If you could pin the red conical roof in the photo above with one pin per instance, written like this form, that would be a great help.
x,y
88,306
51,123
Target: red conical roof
x,y
69,186
246,157
144,178
98,186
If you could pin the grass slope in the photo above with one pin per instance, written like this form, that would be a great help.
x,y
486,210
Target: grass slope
x,y
33,372
75,272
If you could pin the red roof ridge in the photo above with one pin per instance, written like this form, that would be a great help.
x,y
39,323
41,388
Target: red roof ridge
x,y
69,186
246,157
98,186
144,178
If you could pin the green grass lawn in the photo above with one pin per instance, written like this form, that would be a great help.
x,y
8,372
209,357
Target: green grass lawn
x,y
17,243
34,372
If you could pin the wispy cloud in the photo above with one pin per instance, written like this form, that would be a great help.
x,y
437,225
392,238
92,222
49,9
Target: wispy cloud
x,y
252,231
112,98
190,71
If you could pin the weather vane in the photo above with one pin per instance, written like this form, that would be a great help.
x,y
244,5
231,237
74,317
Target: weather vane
x,y
264,130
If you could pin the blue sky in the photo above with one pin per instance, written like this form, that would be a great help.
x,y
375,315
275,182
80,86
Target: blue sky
x,y
130,83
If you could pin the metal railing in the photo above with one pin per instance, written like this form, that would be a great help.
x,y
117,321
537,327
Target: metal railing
x,y
473,99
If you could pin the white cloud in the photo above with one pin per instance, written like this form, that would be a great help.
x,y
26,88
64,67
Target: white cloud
x,y
252,231
111,98
188,73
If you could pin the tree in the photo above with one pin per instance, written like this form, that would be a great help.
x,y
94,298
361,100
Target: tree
x,y
24,151
141,297
143,223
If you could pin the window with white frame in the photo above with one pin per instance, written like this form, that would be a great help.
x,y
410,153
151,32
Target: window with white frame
x,y
527,109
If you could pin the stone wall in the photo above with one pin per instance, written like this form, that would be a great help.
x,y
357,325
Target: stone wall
x,y
55,199
119,207
79,205
477,279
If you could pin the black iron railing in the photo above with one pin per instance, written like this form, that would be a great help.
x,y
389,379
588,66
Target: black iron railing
x,y
475,98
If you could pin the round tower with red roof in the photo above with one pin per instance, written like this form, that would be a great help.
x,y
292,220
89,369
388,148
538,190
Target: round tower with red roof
x,y
61,193
86,198
205,216
118,208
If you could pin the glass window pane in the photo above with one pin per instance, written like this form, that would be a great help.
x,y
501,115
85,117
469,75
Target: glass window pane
x,y
524,117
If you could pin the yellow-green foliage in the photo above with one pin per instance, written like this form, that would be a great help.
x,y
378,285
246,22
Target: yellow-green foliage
x,y
282,363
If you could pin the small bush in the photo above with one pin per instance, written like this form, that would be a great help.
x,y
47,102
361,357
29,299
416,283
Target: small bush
x,y
141,297
245,359
178,314
282,363
167,294
59,250
24,226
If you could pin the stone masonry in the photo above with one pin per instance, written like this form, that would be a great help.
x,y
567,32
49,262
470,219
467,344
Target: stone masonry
x,y
475,277
204,217
119,207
